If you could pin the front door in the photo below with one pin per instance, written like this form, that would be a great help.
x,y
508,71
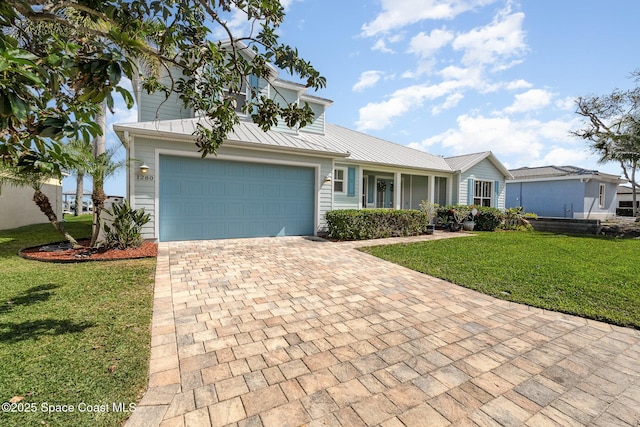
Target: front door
x,y
384,193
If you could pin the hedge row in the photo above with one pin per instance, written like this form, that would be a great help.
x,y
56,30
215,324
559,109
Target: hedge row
x,y
362,224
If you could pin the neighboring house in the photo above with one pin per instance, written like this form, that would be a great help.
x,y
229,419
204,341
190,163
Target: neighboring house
x,y
625,200
563,192
18,209
282,182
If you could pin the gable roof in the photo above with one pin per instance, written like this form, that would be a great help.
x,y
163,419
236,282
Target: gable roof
x,y
337,141
465,162
560,172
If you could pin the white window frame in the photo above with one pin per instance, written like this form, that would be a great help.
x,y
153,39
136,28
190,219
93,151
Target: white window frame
x,y
342,180
478,199
602,188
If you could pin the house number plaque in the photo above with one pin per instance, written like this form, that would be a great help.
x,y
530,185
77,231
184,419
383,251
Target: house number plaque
x,y
144,177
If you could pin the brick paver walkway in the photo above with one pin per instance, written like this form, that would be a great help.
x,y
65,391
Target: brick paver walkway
x,y
290,331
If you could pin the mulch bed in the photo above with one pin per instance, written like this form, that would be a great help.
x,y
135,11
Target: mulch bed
x,y
57,252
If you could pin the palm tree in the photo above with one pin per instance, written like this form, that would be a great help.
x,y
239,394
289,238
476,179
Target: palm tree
x,y
33,172
100,168
80,150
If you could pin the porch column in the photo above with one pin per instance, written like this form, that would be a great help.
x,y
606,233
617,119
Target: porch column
x,y
360,194
397,190
432,188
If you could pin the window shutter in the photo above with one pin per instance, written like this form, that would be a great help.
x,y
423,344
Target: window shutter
x,y
496,189
351,182
470,191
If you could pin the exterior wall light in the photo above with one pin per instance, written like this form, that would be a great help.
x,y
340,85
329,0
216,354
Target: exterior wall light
x,y
144,169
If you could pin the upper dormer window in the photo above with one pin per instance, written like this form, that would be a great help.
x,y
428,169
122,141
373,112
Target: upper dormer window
x,y
244,94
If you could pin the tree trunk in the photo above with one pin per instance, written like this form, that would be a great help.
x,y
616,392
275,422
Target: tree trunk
x,y
634,192
44,204
98,197
79,194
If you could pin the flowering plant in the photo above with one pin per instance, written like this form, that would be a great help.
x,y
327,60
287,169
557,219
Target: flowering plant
x,y
460,213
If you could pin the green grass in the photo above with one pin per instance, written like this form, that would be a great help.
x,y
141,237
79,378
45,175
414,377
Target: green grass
x,y
71,333
592,277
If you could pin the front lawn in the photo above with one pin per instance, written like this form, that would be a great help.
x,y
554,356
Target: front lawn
x,y
592,277
71,334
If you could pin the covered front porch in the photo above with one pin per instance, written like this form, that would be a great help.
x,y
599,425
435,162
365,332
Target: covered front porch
x,y
398,190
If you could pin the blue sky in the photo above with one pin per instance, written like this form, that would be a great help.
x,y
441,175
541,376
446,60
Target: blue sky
x,y
460,76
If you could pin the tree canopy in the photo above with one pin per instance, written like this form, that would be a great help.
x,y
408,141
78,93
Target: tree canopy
x,y
612,128
60,59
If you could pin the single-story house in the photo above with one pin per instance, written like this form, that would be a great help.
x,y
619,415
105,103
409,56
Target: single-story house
x,y
282,182
563,192
18,209
625,200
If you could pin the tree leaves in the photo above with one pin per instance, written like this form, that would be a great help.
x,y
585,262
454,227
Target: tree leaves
x,y
61,60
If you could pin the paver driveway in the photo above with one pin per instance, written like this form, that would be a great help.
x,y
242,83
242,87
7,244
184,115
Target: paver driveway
x,y
290,331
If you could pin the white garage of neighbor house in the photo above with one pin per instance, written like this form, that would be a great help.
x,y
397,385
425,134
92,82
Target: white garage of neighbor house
x,y
18,209
282,182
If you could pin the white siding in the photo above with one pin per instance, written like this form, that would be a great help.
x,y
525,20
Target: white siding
x,y
144,191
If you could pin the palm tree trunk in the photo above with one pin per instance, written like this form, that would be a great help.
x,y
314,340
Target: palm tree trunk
x,y
79,193
44,204
98,196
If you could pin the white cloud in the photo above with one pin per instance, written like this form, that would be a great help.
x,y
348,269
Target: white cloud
x,y
518,84
381,46
501,135
560,156
399,13
425,45
367,79
379,115
495,43
568,104
530,100
451,102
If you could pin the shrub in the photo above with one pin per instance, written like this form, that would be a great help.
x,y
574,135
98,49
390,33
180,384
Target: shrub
x,y
354,224
488,219
516,219
126,230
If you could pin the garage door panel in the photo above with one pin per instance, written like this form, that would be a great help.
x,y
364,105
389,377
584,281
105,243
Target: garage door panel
x,y
210,199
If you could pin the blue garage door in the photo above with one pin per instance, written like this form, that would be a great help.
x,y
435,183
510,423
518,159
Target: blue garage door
x,y
219,199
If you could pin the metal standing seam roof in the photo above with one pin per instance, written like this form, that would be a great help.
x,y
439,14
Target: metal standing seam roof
x,y
245,133
467,161
369,149
337,141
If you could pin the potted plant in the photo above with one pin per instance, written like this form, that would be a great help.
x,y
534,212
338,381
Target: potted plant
x,y
460,214
468,223
429,209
